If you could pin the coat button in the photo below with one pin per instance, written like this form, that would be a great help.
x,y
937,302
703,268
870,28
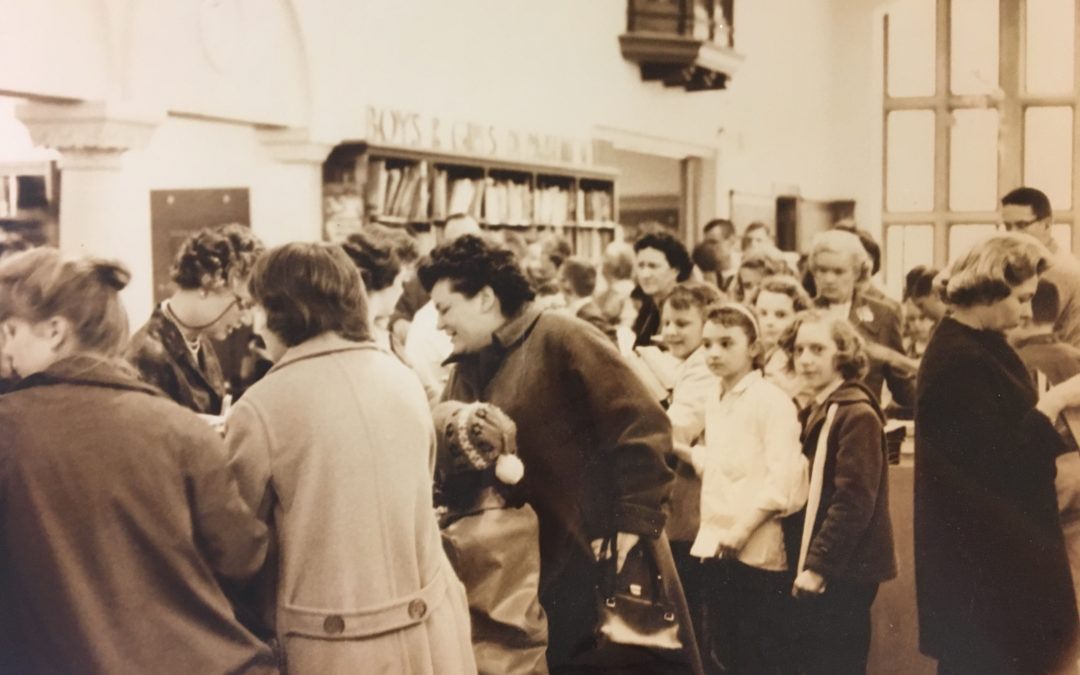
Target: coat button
x,y
334,625
417,609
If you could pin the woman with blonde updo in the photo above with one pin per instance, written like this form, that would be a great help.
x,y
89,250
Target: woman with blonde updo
x,y
992,574
173,351
119,510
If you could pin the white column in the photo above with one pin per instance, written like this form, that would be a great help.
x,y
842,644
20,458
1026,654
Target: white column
x,y
104,211
288,205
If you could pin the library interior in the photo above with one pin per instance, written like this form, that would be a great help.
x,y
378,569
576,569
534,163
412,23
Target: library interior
x,y
693,178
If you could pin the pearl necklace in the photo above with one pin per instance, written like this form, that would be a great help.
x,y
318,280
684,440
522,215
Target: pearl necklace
x,y
192,345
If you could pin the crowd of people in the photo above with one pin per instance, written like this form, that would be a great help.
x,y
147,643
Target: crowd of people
x,y
497,457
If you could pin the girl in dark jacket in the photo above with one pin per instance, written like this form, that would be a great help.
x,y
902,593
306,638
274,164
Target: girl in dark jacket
x,y
843,549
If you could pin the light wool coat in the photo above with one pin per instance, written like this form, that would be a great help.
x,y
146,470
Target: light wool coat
x,y
335,448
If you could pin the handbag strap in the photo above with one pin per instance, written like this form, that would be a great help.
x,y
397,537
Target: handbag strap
x,y
609,572
813,500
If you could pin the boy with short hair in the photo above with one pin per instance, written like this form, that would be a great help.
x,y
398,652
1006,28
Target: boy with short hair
x,y
682,320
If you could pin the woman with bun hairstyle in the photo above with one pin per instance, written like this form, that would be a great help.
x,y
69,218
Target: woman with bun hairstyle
x,y
173,351
119,512
991,569
335,447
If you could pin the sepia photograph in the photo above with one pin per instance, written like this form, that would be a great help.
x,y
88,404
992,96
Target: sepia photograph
x,y
505,337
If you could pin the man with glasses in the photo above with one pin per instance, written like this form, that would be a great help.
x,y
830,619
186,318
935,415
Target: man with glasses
x,y
1027,210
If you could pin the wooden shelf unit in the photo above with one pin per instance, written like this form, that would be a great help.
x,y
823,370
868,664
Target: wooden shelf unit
x,y
365,184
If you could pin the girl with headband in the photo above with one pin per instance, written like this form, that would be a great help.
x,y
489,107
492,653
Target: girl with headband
x,y
752,474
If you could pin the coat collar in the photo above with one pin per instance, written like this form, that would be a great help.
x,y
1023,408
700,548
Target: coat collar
x,y
327,343
95,371
851,391
173,341
751,378
517,329
506,337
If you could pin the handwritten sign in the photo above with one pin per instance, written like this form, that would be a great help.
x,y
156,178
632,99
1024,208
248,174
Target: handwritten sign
x,y
423,132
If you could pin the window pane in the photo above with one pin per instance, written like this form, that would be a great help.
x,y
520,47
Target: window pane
x,y
1050,40
911,48
1048,153
963,237
909,170
1062,233
905,247
974,27
973,162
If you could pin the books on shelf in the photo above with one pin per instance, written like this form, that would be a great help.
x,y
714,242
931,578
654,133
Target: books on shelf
x,y
410,189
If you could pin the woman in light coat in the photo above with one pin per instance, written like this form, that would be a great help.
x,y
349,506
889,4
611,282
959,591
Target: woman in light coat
x,y
334,447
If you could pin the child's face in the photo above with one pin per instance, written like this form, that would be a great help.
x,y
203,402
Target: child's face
x,y
728,352
815,356
681,330
749,280
774,312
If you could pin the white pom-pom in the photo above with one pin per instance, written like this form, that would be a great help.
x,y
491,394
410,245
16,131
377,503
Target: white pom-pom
x,y
509,469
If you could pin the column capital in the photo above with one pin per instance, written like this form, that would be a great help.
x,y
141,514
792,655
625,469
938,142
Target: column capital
x,y
89,128
294,145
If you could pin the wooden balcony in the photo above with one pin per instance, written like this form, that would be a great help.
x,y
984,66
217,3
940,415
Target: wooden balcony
x,y
682,43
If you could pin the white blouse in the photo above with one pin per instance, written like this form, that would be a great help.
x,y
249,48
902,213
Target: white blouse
x,y
751,460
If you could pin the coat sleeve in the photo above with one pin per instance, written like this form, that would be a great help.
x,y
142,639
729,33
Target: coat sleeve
x,y
248,442
860,459
901,383
233,540
629,425
785,486
687,409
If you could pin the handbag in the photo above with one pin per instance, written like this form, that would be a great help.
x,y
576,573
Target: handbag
x,y
631,604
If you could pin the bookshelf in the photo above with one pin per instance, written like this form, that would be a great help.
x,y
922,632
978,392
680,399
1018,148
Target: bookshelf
x,y
365,184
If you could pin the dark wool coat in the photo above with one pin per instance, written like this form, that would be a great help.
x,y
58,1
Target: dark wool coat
x,y
852,537
117,512
590,312
158,352
992,573
593,444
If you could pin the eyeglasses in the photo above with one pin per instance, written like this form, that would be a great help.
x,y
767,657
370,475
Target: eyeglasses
x,y
242,303
1020,225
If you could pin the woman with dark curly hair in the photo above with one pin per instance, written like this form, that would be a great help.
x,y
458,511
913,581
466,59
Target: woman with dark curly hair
x,y
991,569
385,258
843,548
592,439
660,262
335,449
172,351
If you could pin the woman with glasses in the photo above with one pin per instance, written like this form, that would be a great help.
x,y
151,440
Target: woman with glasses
x,y
173,350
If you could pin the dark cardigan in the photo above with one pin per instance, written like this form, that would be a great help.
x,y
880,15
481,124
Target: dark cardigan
x,y
852,535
